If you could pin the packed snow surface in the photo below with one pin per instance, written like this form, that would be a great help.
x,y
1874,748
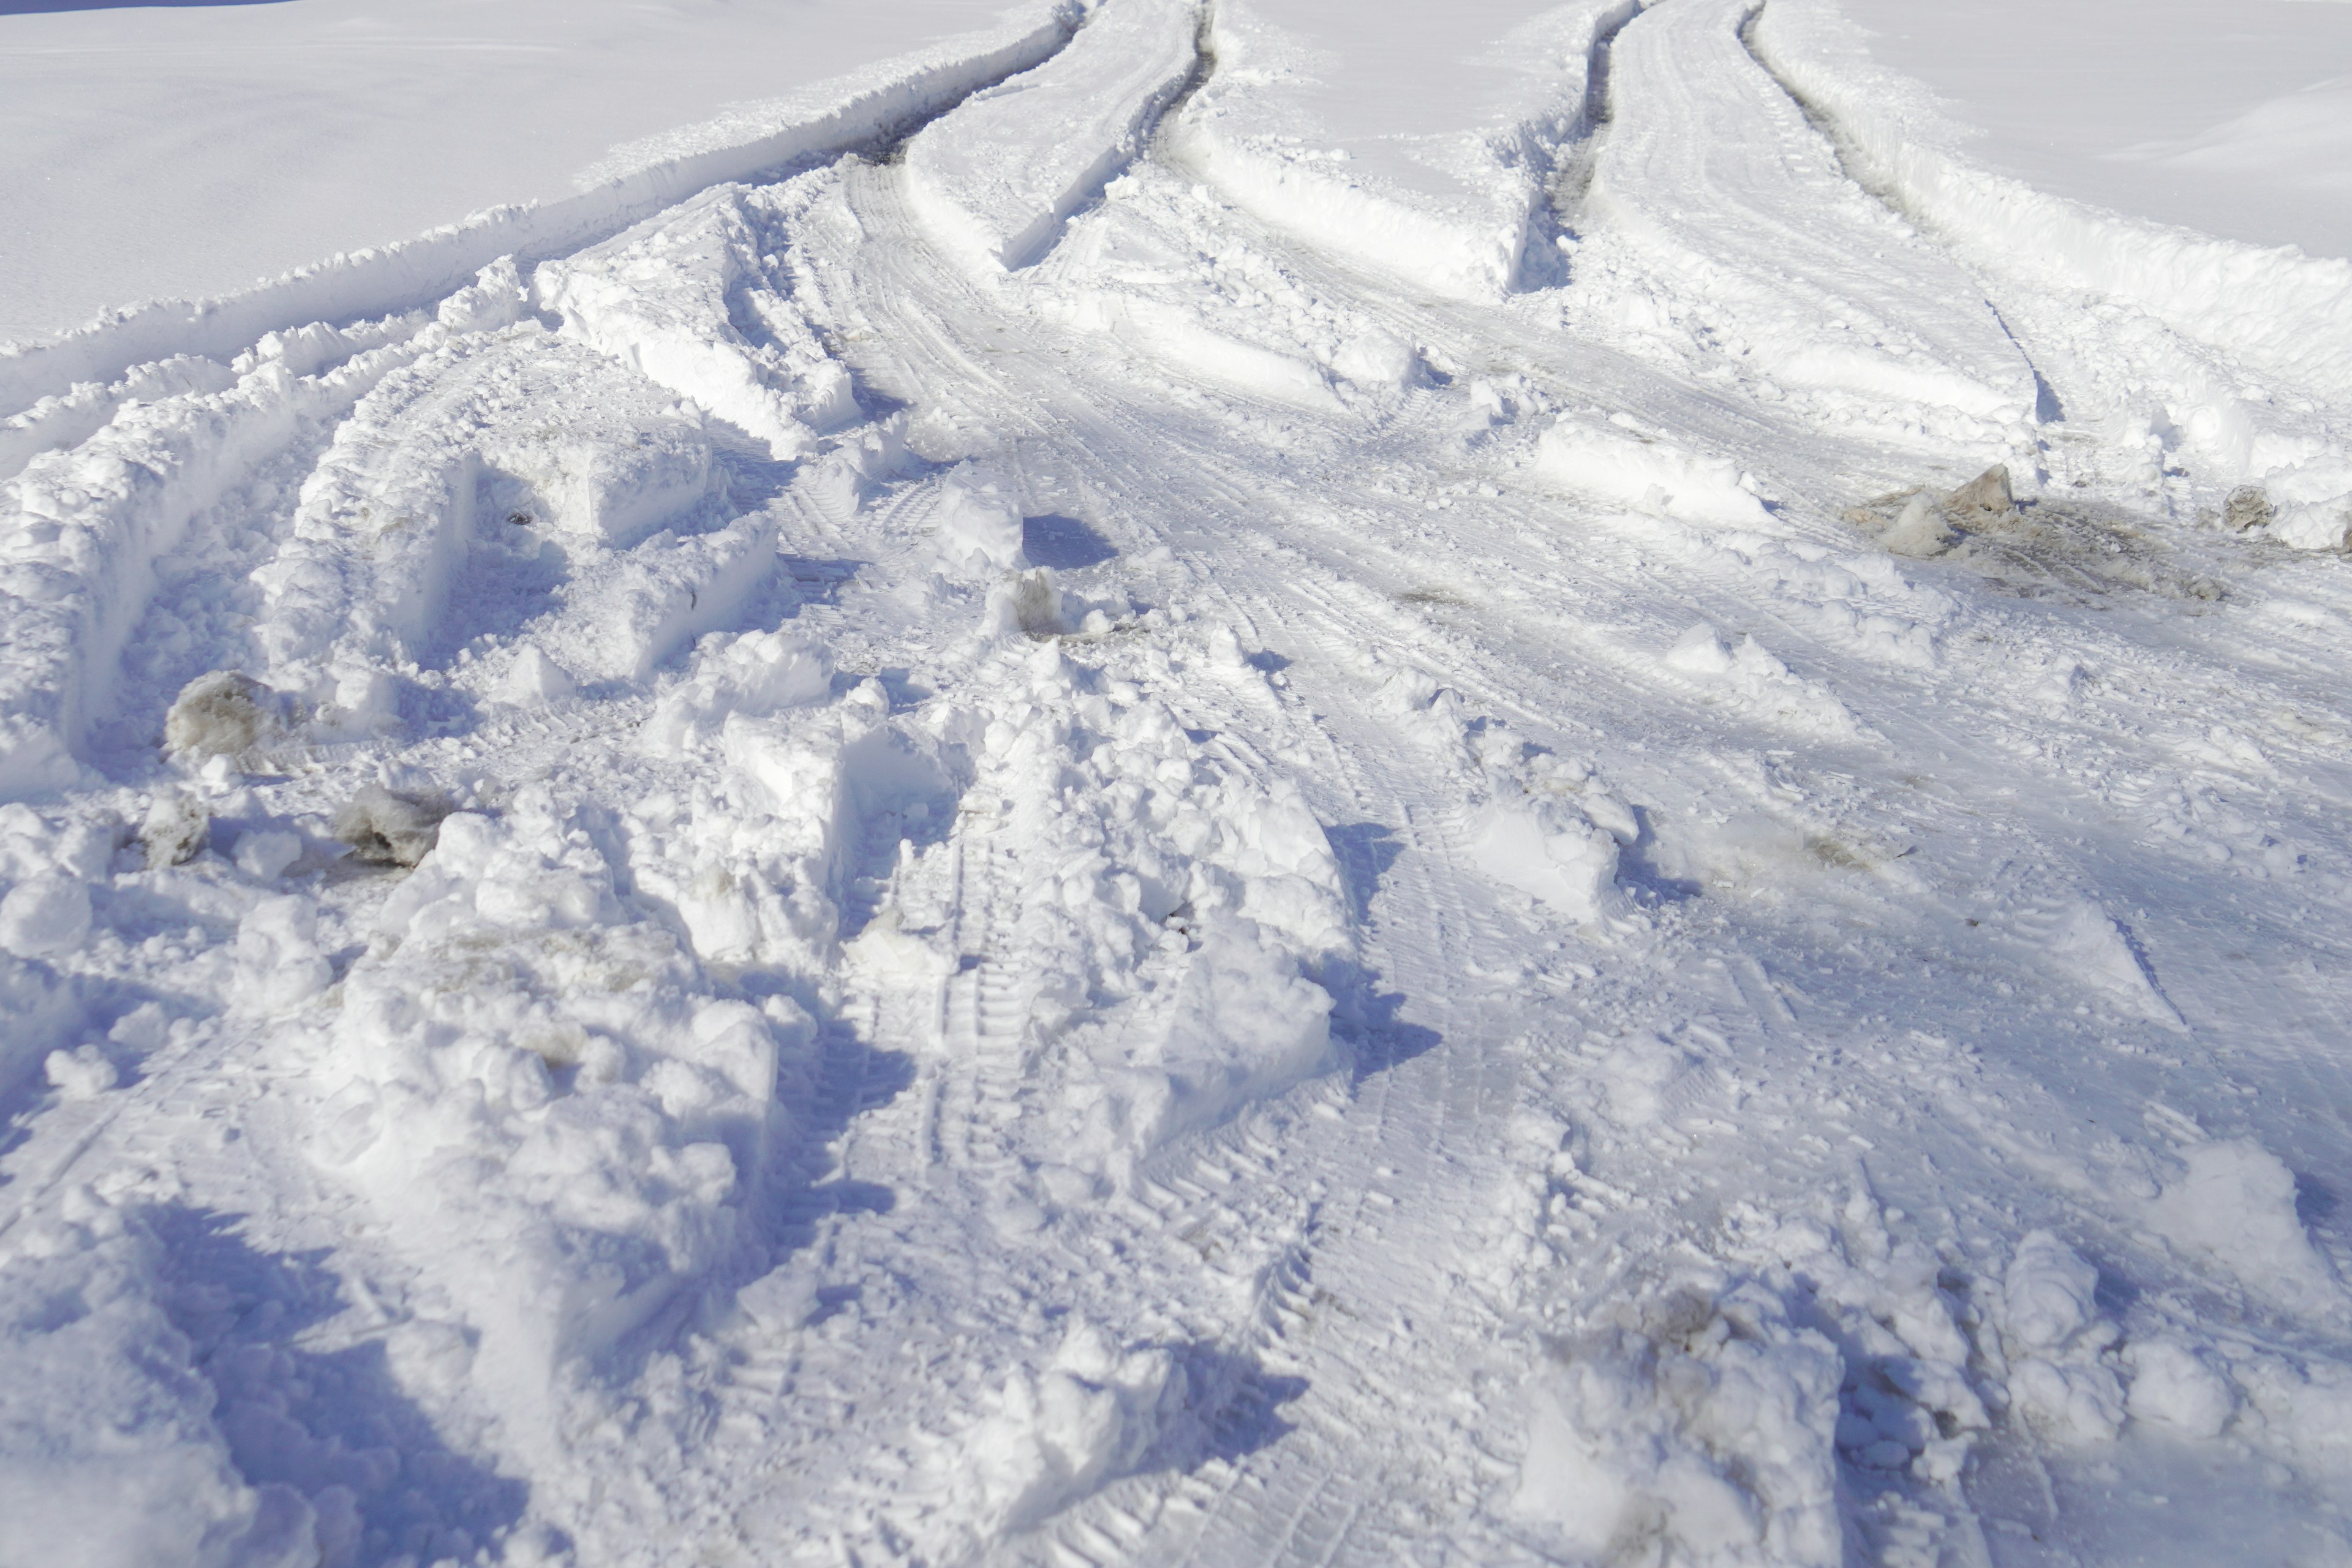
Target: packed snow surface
x,y
1246,784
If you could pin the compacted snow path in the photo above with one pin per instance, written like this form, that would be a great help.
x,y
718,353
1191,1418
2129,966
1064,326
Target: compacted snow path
x,y
915,867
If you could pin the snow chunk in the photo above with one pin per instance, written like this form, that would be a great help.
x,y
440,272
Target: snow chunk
x,y
1647,473
755,674
1547,848
978,523
265,853
2172,1387
1706,1426
43,1013
534,680
45,916
175,830
2046,1294
1089,1415
82,1073
1244,1025
2051,1323
2234,1204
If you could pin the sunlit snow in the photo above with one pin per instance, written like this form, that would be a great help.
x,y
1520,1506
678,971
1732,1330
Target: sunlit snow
x,y
1152,781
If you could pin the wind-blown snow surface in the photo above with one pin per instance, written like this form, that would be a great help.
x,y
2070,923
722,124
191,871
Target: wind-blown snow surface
x,y
898,865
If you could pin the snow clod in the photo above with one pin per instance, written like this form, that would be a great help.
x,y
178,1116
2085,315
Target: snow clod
x,y
1919,530
44,915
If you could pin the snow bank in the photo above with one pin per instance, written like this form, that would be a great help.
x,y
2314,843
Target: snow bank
x,y
998,176
1286,128
863,107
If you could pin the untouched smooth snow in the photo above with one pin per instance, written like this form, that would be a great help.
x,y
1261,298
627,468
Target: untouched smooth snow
x,y
1079,804
226,143
2235,119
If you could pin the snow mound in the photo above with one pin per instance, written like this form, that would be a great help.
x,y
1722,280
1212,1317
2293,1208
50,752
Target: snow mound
x,y
2234,1204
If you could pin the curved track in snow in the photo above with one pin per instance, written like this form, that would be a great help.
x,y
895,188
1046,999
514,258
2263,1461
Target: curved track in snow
x,y
1135,897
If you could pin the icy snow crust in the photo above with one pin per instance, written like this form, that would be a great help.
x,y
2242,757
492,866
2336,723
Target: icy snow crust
x,y
1068,841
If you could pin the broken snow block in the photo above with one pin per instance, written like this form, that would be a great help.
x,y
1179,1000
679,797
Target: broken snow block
x,y
175,830
391,829
223,714
2248,507
1919,530
1987,498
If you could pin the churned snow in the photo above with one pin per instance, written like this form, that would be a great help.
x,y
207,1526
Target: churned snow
x,y
1147,783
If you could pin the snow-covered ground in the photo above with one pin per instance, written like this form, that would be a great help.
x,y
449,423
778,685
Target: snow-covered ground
x,y
2233,119
189,150
1092,808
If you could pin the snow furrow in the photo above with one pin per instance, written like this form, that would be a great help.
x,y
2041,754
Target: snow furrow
x,y
1727,202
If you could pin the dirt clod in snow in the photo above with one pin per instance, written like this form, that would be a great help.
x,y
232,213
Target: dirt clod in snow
x,y
1985,499
175,830
222,714
389,828
2249,507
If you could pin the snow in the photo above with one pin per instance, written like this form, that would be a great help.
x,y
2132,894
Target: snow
x,y
1264,783
330,125
2232,119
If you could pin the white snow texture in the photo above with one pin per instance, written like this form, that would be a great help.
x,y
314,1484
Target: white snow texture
x,y
1280,782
